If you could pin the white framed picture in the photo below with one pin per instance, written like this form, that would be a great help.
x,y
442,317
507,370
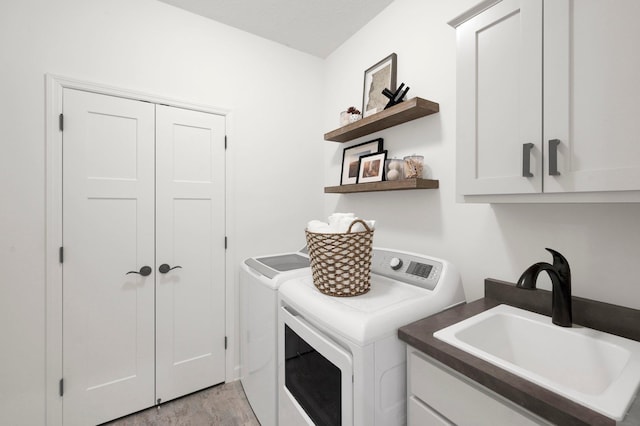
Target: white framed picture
x,y
371,167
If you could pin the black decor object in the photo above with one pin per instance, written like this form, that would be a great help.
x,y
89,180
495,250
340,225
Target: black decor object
x,y
395,97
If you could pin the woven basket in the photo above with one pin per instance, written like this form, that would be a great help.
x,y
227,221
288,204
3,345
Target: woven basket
x,y
341,263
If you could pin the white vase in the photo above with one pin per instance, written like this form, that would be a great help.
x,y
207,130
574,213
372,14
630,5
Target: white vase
x,y
354,117
344,118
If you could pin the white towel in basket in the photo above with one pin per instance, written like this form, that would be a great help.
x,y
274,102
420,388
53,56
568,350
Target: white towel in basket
x,y
338,223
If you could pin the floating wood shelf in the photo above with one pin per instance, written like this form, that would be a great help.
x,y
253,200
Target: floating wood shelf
x,y
397,114
389,185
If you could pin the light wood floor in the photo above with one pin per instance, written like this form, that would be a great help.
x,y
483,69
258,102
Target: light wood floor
x,y
224,404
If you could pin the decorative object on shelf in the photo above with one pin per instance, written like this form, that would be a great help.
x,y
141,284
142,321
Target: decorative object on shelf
x,y
354,114
413,166
344,118
394,169
351,115
351,159
378,77
395,97
371,168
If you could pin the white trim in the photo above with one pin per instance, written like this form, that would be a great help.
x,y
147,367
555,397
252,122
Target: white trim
x,y
231,268
53,241
474,11
54,86
104,89
555,197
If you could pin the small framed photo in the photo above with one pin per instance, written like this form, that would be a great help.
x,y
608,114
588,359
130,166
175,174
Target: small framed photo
x,y
377,78
351,159
371,167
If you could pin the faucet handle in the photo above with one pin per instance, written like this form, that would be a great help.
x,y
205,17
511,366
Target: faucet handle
x,y
561,264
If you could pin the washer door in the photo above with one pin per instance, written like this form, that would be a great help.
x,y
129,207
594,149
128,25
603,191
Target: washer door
x,y
316,374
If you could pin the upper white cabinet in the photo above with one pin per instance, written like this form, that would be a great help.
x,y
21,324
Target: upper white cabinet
x,y
500,99
548,100
592,93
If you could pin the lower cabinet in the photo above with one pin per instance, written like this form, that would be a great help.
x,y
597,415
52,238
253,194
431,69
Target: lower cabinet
x,y
419,413
438,395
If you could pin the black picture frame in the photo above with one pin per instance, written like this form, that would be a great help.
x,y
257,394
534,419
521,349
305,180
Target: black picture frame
x,y
351,159
371,167
378,77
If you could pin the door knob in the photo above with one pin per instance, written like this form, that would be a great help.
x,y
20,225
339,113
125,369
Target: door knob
x,y
144,271
164,268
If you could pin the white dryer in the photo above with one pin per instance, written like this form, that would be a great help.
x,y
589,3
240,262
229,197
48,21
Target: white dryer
x,y
340,361
260,278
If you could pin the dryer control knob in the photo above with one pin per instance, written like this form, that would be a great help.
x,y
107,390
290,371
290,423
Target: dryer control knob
x,y
395,263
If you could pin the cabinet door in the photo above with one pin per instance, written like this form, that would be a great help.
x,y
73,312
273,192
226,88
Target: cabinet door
x,y
445,391
418,413
499,80
190,223
591,69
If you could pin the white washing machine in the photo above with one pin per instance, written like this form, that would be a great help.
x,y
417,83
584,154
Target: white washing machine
x,y
340,361
260,278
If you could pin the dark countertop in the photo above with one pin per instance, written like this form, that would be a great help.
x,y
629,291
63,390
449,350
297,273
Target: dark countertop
x,y
546,404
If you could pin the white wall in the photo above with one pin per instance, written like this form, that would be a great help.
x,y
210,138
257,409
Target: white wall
x,y
274,93
601,241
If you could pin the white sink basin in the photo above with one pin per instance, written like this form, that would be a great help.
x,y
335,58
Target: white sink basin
x,y
595,369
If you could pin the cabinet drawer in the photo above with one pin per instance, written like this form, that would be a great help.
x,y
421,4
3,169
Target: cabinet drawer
x,y
421,414
460,400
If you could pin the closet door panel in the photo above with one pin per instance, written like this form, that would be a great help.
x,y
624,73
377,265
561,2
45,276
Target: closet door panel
x,y
190,316
192,297
108,230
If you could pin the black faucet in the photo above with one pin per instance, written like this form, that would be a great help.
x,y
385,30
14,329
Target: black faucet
x,y
560,275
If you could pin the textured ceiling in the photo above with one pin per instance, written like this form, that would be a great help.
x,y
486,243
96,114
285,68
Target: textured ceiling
x,y
317,27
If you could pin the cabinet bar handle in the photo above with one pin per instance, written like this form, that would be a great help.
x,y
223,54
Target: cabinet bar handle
x,y
553,157
526,159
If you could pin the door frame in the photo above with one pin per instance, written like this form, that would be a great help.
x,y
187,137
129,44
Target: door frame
x,y
54,86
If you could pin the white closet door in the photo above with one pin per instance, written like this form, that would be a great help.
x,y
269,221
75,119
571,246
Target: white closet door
x,y
190,315
108,230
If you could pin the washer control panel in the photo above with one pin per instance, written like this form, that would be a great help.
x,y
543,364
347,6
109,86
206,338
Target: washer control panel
x,y
408,268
